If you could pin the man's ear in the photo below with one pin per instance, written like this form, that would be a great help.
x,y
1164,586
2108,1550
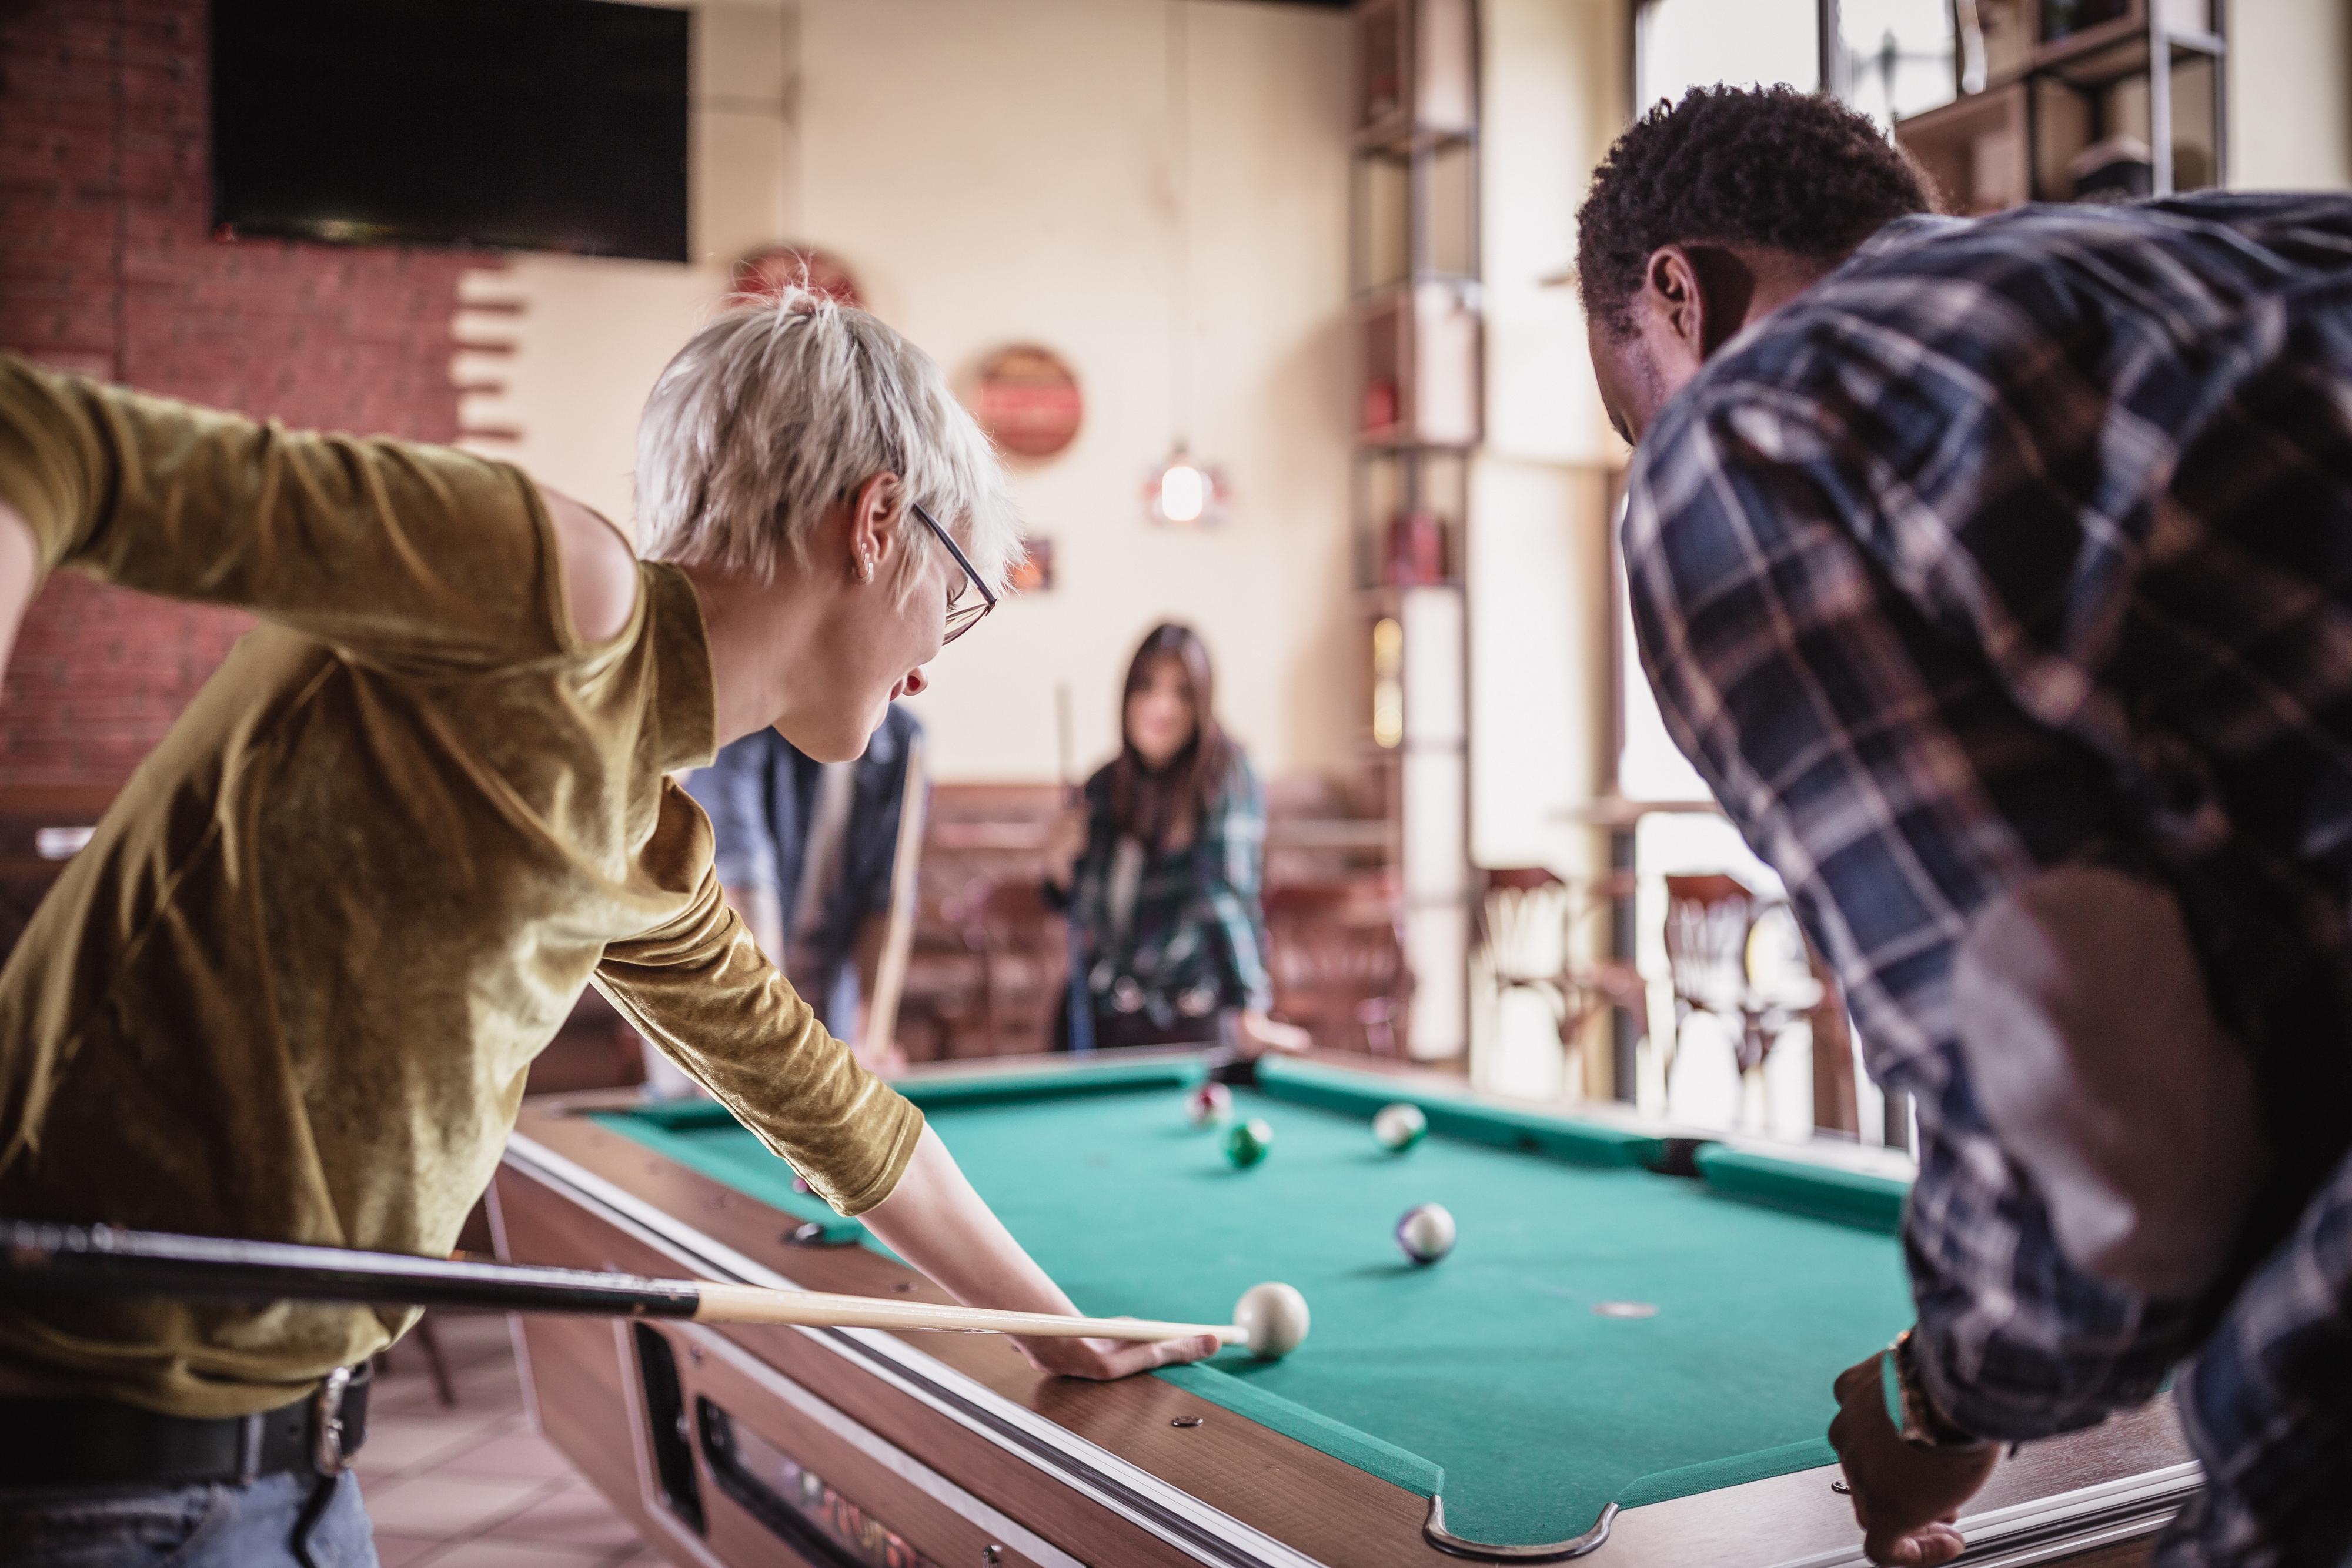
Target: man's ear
x,y
1699,295
1670,287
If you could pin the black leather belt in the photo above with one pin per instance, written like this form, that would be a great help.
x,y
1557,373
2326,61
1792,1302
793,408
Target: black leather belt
x,y
97,1442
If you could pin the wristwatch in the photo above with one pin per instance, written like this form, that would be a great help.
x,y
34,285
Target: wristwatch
x,y
1910,1406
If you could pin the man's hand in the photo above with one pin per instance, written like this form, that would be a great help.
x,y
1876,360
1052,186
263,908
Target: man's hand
x,y
936,1222
1905,1499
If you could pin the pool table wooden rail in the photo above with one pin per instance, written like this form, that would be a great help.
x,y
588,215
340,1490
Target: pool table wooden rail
x,y
1113,1482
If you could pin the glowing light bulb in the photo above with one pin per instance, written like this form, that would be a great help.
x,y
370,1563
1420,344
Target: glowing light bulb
x,y
1183,493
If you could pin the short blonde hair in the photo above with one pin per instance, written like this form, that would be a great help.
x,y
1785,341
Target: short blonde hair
x,y
772,414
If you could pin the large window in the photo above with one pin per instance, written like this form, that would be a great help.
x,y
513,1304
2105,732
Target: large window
x,y
1897,56
1892,57
1683,43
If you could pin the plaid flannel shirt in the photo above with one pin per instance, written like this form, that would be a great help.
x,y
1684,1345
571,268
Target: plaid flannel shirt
x,y
1195,942
2022,542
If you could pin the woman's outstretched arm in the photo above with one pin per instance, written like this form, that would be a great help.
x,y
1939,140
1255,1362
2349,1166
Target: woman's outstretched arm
x,y
421,557
935,1221
20,573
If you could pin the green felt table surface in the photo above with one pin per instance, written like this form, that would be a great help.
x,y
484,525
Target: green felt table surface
x,y
1489,1375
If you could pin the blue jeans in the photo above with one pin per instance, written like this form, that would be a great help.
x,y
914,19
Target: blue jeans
x,y
215,1526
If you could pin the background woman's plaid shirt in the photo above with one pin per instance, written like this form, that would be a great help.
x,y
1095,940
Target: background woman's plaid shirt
x,y
1194,942
2027,541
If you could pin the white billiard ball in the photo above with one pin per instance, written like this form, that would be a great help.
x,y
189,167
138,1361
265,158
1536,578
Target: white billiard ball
x,y
1399,1127
1274,1316
1426,1233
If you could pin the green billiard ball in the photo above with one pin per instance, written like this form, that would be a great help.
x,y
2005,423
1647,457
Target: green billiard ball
x,y
1399,1127
1247,1143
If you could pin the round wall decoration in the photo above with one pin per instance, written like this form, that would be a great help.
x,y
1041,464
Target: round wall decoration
x,y
761,278
1027,400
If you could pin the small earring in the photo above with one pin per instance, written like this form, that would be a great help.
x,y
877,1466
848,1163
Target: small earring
x,y
866,569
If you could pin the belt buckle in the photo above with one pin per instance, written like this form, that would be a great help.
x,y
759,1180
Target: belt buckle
x,y
327,1456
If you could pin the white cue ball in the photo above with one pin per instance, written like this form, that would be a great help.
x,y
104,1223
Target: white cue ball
x,y
1399,1127
1425,1233
1275,1318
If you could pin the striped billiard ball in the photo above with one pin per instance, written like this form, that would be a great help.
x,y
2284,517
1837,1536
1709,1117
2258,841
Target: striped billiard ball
x,y
1210,1105
1425,1233
1399,1127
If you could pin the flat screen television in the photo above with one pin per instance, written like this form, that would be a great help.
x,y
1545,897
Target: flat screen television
x,y
521,124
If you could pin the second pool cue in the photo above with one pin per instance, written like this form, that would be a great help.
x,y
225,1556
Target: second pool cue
x,y
101,1260
881,1025
1078,996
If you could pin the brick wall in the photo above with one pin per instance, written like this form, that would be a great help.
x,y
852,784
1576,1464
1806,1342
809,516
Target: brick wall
x,y
107,267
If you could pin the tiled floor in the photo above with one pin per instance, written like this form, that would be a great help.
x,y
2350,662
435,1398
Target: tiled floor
x,y
475,1486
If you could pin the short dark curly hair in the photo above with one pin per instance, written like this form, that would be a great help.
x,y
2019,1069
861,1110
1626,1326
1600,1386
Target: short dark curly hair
x,y
1765,166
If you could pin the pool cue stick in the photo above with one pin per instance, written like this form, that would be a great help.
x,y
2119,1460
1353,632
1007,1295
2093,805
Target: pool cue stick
x,y
1080,1001
899,939
754,1305
100,1260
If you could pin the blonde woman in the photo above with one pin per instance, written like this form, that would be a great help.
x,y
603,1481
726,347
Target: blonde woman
x,y
291,988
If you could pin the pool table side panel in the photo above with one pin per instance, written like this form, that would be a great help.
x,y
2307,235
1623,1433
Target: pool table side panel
x,y
545,1227
585,1410
940,1532
1298,1494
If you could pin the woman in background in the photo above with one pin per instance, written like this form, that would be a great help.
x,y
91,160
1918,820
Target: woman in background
x,y
1169,852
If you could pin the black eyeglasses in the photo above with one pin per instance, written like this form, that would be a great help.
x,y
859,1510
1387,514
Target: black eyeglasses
x,y
961,616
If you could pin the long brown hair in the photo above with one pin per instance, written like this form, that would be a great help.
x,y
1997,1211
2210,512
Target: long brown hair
x,y
1166,808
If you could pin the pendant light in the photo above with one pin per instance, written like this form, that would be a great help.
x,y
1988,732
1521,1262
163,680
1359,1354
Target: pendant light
x,y
1182,492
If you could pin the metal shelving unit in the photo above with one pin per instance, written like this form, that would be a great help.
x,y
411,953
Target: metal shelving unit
x,y
2076,73
1419,332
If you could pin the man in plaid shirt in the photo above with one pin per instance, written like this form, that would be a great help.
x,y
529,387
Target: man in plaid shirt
x,y
1998,577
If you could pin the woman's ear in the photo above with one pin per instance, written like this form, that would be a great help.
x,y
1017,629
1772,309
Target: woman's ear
x,y
871,538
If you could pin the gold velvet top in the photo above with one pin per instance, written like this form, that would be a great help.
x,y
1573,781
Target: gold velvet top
x,y
290,990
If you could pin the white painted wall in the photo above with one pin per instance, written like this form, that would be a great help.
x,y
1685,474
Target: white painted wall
x,y
1007,172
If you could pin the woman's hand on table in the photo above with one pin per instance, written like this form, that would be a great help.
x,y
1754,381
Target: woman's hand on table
x,y
1261,1033
1102,1360
1905,1498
